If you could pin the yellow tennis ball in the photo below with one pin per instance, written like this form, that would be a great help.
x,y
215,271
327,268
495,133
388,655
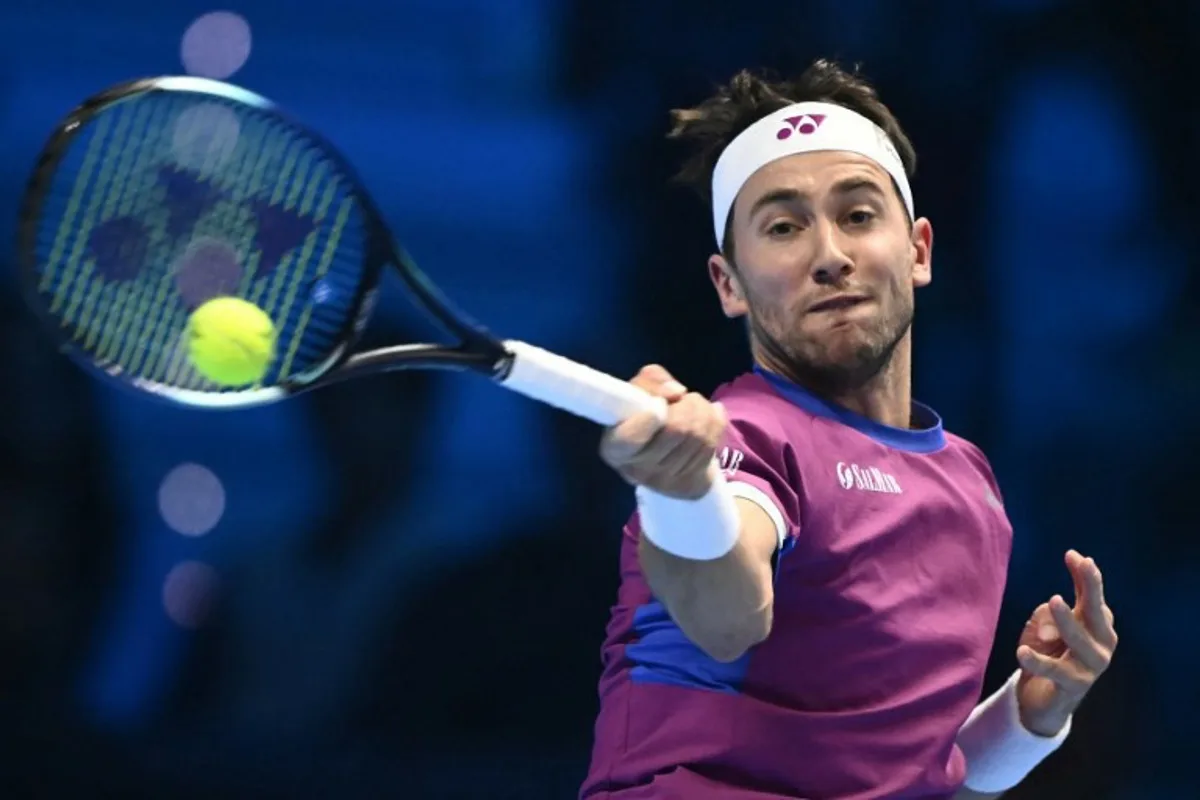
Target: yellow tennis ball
x,y
231,341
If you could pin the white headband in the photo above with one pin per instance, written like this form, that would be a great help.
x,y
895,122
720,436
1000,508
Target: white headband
x,y
800,128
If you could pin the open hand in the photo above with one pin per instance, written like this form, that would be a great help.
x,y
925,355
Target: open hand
x,y
1064,650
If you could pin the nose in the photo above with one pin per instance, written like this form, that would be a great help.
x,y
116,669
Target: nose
x,y
831,264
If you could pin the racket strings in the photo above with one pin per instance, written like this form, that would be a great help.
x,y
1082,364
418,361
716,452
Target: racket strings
x,y
161,201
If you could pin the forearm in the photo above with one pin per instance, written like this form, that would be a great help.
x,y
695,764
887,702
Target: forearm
x,y
722,605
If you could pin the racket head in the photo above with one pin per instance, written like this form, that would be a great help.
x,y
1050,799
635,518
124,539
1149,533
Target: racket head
x,y
158,194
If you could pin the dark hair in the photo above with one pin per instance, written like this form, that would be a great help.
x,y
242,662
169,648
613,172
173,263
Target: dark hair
x,y
748,97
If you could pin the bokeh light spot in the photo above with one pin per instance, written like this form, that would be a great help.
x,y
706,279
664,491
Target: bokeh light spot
x,y
191,499
189,593
205,137
208,268
216,45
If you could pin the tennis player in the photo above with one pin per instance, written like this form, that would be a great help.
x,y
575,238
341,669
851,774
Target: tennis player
x,y
811,584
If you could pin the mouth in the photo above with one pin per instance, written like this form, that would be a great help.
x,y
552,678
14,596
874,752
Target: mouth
x,y
839,303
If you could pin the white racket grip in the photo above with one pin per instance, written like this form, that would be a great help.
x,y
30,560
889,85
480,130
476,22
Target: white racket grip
x,y
570,386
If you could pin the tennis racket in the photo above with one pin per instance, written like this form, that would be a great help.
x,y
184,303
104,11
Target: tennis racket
x,y
159,194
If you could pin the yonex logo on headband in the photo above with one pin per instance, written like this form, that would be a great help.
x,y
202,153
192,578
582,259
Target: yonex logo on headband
x,y
804,125
800,128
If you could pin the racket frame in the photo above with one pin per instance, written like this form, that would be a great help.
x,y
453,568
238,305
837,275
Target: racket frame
x,y
478,350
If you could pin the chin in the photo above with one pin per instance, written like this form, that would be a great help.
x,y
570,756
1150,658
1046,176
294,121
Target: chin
x,y
848,344
841,358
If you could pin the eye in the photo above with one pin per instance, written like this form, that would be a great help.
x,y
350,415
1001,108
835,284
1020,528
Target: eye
x,y
860,216
782,228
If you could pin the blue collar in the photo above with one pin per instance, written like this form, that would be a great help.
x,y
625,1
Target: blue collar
x,y
927,438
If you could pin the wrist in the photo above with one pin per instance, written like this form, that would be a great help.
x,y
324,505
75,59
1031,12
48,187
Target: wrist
x,y
1046,725
702,528
1000,750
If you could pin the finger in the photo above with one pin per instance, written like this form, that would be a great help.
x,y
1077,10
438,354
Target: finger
x,y
1041,633
1074,560
1062,672
703,423
1042,625
704,462
655,379
713,422
1097,615
704,432
720,420
1089,593
716,423
1082,646
681,438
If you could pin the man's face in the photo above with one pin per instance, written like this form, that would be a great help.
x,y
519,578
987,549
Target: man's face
x,y
826,266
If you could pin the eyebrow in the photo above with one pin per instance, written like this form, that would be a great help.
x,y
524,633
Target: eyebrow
x,y
844,186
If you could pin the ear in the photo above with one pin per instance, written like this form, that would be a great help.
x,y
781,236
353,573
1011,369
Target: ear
x,y
922,244
729,290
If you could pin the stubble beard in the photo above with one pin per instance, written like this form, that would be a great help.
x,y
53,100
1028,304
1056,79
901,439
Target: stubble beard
x,y
813,363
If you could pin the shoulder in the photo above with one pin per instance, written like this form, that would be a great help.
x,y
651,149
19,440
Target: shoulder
x,y
969,451
758,415
758,456
973,458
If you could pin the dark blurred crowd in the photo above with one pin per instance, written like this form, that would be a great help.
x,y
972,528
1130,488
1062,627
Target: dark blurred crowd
x,y
1054,144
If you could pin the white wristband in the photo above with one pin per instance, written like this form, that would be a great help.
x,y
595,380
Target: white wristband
x,y
999,749
702,529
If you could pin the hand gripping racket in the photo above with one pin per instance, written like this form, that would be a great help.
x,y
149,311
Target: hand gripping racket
x,y
159,194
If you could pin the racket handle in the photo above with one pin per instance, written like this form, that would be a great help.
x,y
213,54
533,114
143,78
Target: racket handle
x,y
570,386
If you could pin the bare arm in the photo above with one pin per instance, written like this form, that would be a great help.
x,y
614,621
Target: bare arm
x,y
723,606
716,584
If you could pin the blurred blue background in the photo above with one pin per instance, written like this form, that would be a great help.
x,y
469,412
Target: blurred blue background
x,y
398,588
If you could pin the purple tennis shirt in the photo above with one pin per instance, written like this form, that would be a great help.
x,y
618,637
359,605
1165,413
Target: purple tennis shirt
x,y
888,582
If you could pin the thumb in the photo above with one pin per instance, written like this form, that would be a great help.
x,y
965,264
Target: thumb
x,y
1035,663
621,443
655,379
1040,631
